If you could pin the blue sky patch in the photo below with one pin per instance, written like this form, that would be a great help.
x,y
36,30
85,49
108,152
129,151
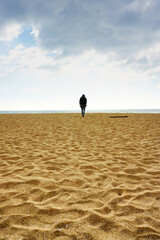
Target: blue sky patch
x,y
26,38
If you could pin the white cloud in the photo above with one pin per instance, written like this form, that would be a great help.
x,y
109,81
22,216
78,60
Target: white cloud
x,y
35,31
151,53
77,26
140,5
25,58
9,32
90,64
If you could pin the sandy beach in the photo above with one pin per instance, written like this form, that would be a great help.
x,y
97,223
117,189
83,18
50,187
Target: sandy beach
x,y
67,177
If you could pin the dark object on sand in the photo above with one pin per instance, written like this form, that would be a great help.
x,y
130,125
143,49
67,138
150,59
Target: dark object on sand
x,y
118,116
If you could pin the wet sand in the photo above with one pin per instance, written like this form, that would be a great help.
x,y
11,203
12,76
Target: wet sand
x,y
67,177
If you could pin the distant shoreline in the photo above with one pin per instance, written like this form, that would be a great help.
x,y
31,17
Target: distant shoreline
x,y
78,111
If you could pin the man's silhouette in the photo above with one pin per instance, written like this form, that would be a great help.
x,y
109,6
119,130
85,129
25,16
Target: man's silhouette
x,y
83,104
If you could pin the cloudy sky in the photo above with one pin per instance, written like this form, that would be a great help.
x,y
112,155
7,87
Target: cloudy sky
x,y
53,51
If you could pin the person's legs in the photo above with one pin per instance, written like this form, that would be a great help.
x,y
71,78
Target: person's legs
x,y
83,111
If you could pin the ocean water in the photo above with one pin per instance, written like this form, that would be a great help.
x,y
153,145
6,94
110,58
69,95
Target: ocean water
x,y
87,111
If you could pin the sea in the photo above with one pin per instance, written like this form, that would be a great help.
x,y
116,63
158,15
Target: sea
x,y
78,111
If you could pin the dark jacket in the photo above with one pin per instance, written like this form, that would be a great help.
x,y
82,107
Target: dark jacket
x,y
83,101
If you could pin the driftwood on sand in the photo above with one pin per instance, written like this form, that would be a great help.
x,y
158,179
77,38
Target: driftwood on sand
x,y
118,116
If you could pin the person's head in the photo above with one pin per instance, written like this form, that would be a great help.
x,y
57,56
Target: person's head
x,y
83,95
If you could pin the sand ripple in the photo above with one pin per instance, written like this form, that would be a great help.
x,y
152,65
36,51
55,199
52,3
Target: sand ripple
x,y
67,177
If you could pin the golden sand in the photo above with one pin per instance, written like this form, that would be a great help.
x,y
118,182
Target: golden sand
x,y
67,177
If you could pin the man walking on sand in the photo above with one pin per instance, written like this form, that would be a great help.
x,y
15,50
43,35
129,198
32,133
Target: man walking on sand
x,y
83,104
